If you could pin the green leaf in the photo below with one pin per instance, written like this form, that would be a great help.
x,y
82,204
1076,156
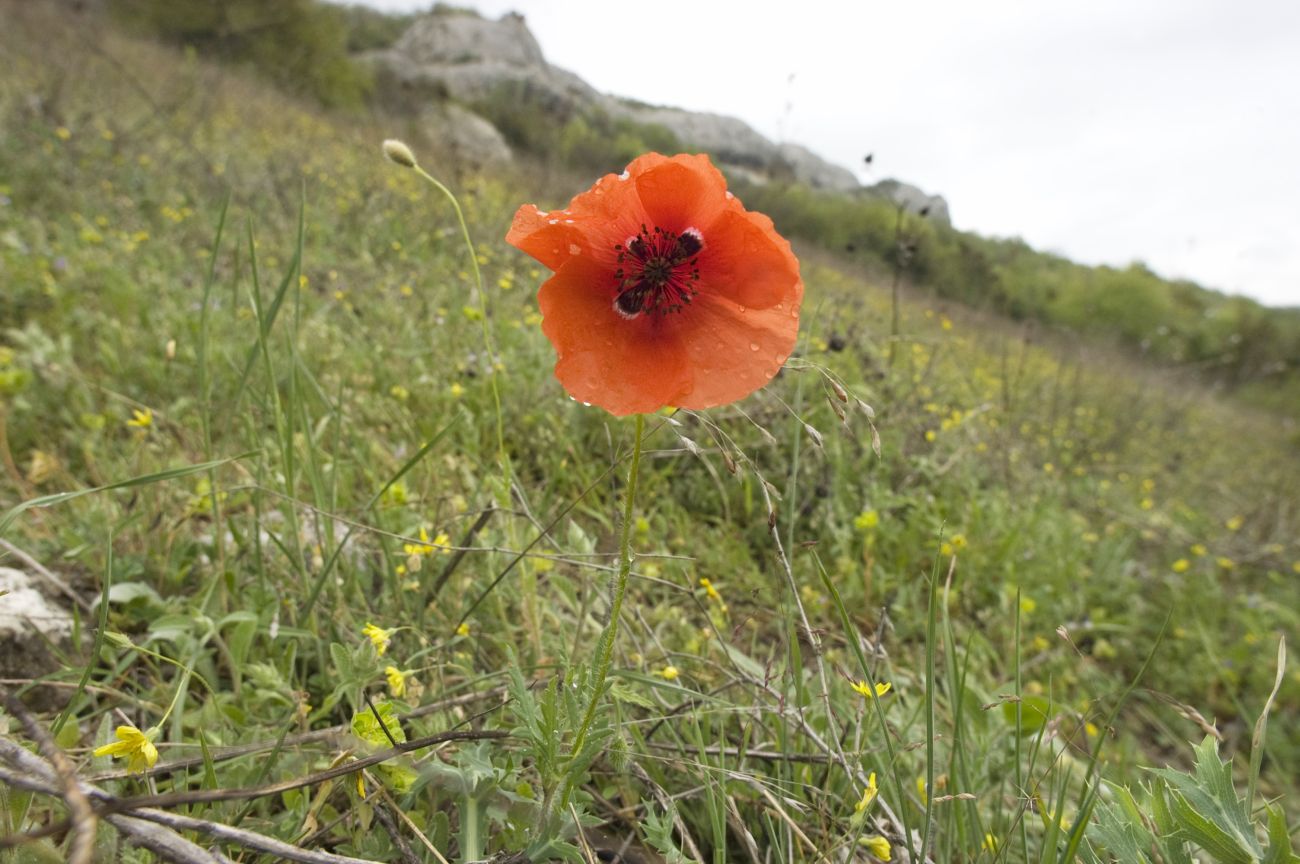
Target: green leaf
x,y
1279,839
1206,808
125,593
367,727
1035,711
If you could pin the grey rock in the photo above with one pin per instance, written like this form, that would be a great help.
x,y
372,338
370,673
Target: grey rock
x,y
456,55
913,199
460,39
30,623
812,169
468,138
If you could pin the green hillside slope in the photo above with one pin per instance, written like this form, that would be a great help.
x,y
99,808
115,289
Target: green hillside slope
x,y
1066,562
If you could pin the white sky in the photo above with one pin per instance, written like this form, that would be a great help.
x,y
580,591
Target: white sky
x,y
1166,131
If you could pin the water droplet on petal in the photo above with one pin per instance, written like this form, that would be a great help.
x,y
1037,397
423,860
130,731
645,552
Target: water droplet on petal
x,y
753,346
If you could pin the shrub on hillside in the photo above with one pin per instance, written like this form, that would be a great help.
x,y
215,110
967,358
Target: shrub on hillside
x,y
301,45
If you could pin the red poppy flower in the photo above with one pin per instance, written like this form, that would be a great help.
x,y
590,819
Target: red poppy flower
x,y
666,290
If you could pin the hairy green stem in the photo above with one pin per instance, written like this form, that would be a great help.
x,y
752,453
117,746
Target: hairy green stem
x,y
605,650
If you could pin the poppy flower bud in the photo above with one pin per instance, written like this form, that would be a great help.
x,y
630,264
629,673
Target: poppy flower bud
x,y
398,152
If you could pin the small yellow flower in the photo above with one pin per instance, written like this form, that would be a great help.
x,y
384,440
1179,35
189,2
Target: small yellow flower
x,y
1147,504
361,784
136,746
877,846
456,390
710,590
378,636
1199,550
1295,566
63,133
930,435
881,688
1234,524
1028,605
140,418
396,681
1226,563
463,629
959,541
1182,565
990,843
669,673
866,520
920,790
868,794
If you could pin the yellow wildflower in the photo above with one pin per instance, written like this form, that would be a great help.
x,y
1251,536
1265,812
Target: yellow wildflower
x,y
881,688
378,636
868,794
877,846
140,418
1199,550
710,590
133,745
1226,563
990,843
396,681
669,673
463,629
920,790
1181,565
866,520
421,548
456,390
1234,524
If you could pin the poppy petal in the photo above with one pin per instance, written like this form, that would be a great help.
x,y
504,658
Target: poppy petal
x,y
746,261
548,238
624,366
681,192
731,351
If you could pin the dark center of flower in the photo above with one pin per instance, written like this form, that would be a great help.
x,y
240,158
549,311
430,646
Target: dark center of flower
x,y
657,271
